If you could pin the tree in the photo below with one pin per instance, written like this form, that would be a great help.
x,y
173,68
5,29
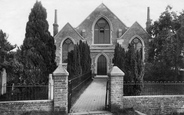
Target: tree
x,y
165,47
79,60
180,36
85,59
5,51
132,64
8,59
119,57
38,49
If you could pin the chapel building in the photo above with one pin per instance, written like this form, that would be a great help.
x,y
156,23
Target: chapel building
x,y
102,30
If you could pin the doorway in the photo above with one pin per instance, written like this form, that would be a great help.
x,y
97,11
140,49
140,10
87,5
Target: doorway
x,y
102,65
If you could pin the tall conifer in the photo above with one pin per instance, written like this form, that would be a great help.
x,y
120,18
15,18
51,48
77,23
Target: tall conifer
x,y
38,47
79,60
131,63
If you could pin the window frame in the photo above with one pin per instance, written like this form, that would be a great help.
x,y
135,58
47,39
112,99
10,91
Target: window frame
x,y
110,32
71,42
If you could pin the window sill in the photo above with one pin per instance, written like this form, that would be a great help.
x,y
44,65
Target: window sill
x,y
101,44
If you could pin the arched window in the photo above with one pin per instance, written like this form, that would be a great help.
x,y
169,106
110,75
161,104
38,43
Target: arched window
x,y
136,42
67,47
102,32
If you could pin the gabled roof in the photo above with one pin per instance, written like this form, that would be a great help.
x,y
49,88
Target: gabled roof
x,y
65,32
101,8
135,29
67,28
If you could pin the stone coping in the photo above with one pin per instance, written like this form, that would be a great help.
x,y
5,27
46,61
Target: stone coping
x,y
26,101
116,72
92,113
153,96
60,70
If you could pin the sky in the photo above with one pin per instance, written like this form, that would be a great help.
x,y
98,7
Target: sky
x,y
14,13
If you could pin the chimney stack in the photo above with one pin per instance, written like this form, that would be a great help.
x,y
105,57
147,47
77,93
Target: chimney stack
x,y
148,23
148,13
55,25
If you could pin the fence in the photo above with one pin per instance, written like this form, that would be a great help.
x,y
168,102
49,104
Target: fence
x,y
75,85
107,95
25,92
157,88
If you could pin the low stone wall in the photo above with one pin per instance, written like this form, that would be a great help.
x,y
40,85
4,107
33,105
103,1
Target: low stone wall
x,y
20,107
160,104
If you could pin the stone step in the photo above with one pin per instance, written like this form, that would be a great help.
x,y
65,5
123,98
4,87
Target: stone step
x,y
92,113
101,77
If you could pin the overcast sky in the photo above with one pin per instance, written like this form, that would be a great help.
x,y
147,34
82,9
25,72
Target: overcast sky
x,y
14,13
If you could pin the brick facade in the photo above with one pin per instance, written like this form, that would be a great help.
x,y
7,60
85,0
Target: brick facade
x,y
119,33
60,77
150,105
154,105
20,107
116,89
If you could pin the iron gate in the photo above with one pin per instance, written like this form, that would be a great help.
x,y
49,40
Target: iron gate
x,y
107,106
75,84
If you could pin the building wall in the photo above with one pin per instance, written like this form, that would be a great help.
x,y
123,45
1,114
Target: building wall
x,y
90,21
20,107
67,32
88,25
136,31
96,53
149,105
85,32
163,104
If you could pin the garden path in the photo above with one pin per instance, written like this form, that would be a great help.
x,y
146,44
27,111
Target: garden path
x,y
93,98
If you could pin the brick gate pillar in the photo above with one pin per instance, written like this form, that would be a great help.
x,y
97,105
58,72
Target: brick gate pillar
x,y
116,89
60,77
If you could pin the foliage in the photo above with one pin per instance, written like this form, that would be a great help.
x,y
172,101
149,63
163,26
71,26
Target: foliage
x,y
15,73
38,49
5,51
79,60
85,58
25,92
120,58
7,57
166,46
131,63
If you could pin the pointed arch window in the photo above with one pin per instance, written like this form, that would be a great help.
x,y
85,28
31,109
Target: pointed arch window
x,y
136,42
138,45
102,32
68,45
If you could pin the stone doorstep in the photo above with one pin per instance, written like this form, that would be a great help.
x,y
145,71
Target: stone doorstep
x,y
101,77
92,113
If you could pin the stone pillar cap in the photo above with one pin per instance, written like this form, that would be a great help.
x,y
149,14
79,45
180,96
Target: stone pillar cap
x,y
115,71
60,71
